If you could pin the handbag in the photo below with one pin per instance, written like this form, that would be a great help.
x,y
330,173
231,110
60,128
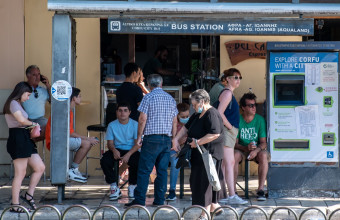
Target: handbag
x,y
184,156
210,168
35,131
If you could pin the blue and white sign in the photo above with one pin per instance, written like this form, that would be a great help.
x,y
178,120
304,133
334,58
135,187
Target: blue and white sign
x,y
287,62
61,90
303,85
330,154
263,26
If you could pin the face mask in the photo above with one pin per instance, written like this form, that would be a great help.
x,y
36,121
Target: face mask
x,y
200,109
183,120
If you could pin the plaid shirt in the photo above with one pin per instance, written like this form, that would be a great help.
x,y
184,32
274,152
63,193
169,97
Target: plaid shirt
x,y
160,109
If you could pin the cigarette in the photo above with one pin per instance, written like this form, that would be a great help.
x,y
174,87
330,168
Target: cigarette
x,y
248,157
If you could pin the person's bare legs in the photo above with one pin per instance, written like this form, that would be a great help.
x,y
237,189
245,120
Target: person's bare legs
x,y
263,168
82,151
38,168
238,158
210,208
20,166
228,167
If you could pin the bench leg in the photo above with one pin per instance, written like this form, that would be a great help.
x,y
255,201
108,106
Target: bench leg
x,y
181,183
246,179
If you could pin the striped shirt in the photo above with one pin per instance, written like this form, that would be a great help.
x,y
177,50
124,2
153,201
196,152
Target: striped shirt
x,y
160,109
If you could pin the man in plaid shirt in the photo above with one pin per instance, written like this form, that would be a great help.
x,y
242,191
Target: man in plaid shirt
x,y
157,122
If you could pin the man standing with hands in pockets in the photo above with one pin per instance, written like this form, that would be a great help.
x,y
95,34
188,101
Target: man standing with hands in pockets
x,y
157,122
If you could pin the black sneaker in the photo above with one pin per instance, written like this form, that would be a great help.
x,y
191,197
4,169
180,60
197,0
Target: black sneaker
x,y
171,196
261,196
156,204
133,202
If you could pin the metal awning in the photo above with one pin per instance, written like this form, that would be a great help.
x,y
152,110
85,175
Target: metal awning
x,y
108,8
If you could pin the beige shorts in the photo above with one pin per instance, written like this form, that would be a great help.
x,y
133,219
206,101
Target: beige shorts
x,y
230,137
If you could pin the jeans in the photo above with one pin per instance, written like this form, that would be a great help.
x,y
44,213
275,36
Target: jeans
x,y
173,171
155,151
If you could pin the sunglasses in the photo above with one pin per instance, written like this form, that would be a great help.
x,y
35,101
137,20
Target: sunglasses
x,y
236,77
36,94
251,105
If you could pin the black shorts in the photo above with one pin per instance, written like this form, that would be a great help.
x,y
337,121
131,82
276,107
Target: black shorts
x,y
19,143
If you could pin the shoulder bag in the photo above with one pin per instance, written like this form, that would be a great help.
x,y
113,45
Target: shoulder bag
x,y
210,168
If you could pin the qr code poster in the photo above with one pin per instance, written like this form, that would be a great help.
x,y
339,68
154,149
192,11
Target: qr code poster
x,y
61,90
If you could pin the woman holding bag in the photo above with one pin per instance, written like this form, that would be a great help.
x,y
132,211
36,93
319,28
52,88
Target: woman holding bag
x,y
20,146
205,128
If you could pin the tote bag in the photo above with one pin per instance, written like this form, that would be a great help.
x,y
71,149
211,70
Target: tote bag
x,y
210,168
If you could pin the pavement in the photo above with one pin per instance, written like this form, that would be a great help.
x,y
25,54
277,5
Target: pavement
x,y
95,193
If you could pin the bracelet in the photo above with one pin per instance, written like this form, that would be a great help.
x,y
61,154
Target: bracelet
x,y
196,142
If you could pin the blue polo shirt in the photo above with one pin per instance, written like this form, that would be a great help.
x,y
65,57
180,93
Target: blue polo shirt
x,y
35,107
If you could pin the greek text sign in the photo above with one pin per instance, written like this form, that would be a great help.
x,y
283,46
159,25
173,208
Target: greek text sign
x,y
301,27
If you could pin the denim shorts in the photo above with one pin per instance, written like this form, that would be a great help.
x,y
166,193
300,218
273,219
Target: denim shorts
x,y
75,143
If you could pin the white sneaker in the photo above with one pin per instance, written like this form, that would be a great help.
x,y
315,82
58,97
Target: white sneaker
x,y
226,200
131,191
236,200
115,193
75,175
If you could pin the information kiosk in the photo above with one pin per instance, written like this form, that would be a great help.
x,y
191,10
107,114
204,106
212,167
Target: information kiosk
x,y
302,119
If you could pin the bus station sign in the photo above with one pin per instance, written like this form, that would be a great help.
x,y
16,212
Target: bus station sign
x,y
282,26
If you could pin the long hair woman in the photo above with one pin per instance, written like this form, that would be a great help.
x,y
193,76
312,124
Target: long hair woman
x,y
21,147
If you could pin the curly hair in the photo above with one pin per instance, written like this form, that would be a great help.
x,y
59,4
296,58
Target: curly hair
x,y
249,95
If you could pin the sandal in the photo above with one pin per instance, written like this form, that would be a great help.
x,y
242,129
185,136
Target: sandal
x,y
220,212
16,209
202,217
30,202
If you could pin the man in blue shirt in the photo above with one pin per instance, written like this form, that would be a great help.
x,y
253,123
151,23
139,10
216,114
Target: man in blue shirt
x,y
121,135
35,106
157,122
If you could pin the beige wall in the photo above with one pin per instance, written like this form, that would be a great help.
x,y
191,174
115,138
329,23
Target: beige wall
x,y
11,43
38,50
253,70
88,80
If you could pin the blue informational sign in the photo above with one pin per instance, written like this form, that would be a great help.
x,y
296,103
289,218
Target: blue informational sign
x,y
303,121
282,26
286,62
330,154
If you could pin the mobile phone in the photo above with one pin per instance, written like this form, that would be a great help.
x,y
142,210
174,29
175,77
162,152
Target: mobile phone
x,y
42,78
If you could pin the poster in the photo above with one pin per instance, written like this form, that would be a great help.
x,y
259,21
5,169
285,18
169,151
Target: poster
x,y
308,113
